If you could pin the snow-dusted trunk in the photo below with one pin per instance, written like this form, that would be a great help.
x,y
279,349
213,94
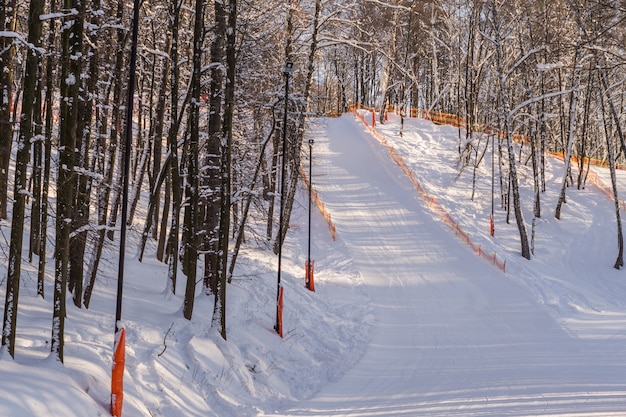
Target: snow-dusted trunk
x,y
157,125
8,22
619,262
19,187
85,111
240,228
504,101
212,178
47,150
190,226
71,39
388,68
105,154
219,310
572,132
172,144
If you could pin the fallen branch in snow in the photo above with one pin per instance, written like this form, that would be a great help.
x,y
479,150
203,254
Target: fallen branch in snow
x,y
165,338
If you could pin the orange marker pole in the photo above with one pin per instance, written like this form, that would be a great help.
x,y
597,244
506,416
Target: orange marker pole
x,y
279,313
117,374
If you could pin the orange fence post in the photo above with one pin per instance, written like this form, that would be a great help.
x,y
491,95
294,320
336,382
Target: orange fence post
x,y
117,380
279,307
309,281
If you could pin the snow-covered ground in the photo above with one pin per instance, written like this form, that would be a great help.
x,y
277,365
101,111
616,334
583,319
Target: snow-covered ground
x,y
406,318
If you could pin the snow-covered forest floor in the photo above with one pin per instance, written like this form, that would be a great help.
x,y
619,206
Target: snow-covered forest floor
x,y
405,319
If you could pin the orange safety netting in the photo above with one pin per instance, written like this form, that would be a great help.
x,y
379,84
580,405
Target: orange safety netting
x,y
320,205
432,202
456,121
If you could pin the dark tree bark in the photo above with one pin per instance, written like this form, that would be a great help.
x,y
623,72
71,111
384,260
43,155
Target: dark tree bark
x,y
71,39
212,180
571,133
219,310
8,22
619,262
47,150
82,186
21,167
190,226
172,143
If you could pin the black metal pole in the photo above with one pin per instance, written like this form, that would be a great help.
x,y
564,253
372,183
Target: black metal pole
x,y
286,72
128,142
308,262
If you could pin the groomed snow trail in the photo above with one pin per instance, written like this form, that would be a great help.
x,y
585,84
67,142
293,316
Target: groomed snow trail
x,y
452,335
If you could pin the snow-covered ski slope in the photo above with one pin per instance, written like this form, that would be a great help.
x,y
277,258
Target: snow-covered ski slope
x,y
405,321
453,335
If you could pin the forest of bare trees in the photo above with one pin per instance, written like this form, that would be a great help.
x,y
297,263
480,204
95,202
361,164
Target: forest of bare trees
x,y
207,121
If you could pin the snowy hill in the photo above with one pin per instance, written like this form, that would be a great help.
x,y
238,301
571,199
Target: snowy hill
x,y
406,318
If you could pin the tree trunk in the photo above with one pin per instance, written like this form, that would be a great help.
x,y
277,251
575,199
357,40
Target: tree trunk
x,y
19,188
619,262
78,241
191,185
521,226
172,143
156,133
246,207
572,133
47,150
219,310
8,22
70,74
212,180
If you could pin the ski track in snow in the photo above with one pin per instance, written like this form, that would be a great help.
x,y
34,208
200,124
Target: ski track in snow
x,y
405,321
452,337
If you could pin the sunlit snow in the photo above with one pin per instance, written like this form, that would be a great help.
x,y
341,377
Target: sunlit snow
x,y
406,319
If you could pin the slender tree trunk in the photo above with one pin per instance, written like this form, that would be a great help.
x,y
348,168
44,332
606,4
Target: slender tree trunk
x,y
140,173
619,262
585,128
157,128
114,157
521,226
219,310
70,74
296,134
572,133
47,150
8,22
172,143
191,185
153,206
78,240
160,254
37,172
272,184
104,154
246,207
19,188
212,180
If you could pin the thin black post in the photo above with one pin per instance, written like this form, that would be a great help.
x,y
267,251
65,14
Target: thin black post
x,y
492,228
286,72
308,262
127,146
118,365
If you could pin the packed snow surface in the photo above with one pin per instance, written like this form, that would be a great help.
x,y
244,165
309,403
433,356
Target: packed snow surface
x,y
406,319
